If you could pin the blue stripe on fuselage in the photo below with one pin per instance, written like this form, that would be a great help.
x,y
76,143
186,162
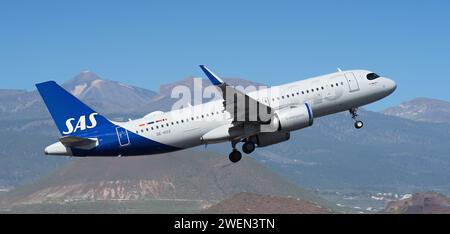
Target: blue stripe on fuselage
x,y
109,146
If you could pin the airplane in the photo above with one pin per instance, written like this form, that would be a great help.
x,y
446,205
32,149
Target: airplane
x,y
262,118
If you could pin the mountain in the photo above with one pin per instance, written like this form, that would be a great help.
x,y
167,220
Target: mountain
x,y
105,96
420,203
250,203
114,99
108,96
422,109
204,178
20,104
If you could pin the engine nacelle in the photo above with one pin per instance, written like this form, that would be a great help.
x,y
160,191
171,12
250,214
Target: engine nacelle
x,y
266,139
294,118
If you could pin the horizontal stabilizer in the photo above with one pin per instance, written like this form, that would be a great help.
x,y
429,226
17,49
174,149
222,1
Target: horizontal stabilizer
x,y
78,142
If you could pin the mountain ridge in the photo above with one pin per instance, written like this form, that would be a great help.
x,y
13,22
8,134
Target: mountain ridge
x,y
422,109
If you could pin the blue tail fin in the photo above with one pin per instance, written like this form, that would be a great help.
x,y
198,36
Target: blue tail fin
x,y
72,117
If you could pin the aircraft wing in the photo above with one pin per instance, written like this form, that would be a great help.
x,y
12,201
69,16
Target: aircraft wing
x,y
243,107
78,142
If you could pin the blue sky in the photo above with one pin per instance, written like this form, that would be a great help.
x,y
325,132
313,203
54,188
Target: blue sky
x,y
149,43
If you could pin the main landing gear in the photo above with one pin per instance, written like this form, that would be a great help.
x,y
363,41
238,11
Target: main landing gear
x,y
248,147
358,123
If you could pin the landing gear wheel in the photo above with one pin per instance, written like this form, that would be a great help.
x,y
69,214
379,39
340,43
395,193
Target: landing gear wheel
x,y
248,147
359,124
235,156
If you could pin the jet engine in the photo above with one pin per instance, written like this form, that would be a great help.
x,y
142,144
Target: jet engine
x,y
290,119
283,122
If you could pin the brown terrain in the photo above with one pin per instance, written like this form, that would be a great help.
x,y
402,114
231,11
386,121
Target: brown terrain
x,y
420,203
251,203
184,176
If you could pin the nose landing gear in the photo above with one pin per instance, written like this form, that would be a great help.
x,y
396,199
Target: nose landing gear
x,y
358,123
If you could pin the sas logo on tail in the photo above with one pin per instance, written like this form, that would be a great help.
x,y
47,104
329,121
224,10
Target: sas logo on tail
x,y
81,124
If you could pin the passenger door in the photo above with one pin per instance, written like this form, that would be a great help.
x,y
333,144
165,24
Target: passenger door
x,y
352,82
122,135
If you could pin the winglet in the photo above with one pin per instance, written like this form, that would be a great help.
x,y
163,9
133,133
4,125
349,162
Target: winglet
x,y
215,80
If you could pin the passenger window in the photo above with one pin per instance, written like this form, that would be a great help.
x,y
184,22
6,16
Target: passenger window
x,y
152,128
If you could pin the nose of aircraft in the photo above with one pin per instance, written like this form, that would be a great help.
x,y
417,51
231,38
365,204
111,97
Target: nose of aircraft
x,y
390,85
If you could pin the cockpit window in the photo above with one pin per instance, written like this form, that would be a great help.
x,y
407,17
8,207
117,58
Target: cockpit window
x,y
372,76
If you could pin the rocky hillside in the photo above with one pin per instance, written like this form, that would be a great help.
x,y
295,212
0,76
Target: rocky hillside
x,y
422,109
420,203
250,203
180,176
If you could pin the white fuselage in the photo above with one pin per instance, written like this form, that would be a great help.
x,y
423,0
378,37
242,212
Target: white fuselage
x,y
328,94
